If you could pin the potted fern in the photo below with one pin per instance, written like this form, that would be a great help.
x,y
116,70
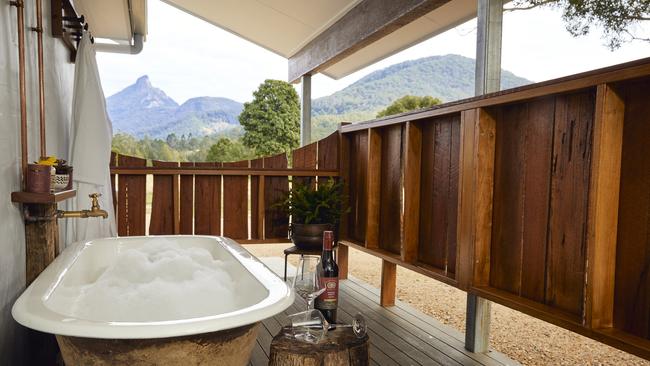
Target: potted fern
x,y
313,211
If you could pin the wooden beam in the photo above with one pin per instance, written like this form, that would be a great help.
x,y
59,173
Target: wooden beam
x,y
344,171
603,207
367,22
630,70
374,188
260,208
412,172
388,283
487,80
342,259
41,238
485,140
176,206
474,233
466,192
477,318
417,267
271,172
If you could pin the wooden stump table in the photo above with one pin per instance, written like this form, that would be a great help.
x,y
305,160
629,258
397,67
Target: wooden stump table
x,y
339,348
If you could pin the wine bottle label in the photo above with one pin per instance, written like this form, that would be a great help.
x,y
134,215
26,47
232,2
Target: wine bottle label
x,y
329,298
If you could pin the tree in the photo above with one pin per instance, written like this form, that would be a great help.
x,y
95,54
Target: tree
x,y
127,145
617,17
226,149
408,103
272,120
172,140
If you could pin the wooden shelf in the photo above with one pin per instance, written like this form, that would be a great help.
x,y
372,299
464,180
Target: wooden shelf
x,y
53,197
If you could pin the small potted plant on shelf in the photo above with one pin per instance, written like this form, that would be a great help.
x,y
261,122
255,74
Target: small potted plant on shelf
x,y
313,210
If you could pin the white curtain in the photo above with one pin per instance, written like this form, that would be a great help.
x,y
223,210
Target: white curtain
x,y
90,150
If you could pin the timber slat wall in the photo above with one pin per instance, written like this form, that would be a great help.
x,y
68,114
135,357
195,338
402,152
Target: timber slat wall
x,y
233,199
131,195
632,283
537,198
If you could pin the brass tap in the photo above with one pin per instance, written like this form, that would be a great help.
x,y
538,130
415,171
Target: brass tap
x,y
95,210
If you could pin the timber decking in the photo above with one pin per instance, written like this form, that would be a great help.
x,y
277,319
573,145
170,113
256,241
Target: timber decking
x,y
399,335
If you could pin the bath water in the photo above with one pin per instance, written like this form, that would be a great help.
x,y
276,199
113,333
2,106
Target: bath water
x,y
160,280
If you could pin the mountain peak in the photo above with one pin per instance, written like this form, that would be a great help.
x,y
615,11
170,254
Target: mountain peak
x,y
143,81
141,109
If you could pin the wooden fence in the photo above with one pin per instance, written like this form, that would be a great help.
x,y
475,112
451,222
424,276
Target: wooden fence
x,y
232,199
537,198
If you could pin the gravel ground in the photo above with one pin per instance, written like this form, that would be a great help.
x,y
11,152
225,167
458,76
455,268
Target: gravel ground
x,y
519,336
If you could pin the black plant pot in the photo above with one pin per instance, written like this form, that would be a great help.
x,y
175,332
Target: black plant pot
x,y
309,236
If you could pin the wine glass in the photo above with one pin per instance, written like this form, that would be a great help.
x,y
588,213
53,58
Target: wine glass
x,y
309,326
306,283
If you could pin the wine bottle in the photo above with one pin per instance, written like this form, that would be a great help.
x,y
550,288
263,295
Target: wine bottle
x,y
327,302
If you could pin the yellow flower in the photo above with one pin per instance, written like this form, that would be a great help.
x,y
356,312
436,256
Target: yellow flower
x,y
49,160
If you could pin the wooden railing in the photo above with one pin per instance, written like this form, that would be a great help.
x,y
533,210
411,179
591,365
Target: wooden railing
x,y
233,199
537,198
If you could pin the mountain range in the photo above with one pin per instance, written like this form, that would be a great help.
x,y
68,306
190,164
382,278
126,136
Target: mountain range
x,y
143,110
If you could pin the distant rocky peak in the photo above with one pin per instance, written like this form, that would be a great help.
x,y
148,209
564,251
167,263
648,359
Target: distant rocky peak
x,y
141,109
143,82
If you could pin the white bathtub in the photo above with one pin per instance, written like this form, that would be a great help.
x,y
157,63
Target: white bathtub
x,y
46,306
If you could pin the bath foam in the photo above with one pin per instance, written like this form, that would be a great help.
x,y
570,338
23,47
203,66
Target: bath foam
x,y
157,281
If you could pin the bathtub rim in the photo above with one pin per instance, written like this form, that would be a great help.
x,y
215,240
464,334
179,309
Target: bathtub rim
x,y
30,309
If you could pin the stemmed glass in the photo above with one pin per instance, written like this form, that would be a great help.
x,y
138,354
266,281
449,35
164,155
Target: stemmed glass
x,y
311,326
307,282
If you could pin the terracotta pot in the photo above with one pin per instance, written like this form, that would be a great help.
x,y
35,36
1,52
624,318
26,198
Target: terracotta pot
x,y
38,178
309,236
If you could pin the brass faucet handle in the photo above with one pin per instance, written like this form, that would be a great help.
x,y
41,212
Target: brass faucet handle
x,y
94,200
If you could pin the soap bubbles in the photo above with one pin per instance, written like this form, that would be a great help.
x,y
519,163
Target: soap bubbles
x,y
160,280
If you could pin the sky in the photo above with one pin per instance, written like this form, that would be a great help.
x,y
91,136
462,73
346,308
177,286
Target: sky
x,y
193,58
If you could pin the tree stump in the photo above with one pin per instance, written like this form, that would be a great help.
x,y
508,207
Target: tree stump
x,y
339,348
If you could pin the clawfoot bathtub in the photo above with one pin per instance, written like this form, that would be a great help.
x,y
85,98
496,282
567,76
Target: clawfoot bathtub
x,y
154,301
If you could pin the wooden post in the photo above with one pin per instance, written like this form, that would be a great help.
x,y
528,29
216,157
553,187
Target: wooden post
x,y
305,110
603,207
488,46
485,140
176,189
41,238
342,259
477,324
344,173
260,208
374,188
388,283
475,221
465,228
487,79
412,172
41,248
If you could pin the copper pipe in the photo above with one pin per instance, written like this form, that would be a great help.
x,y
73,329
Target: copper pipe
x,y
20,6
41,76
